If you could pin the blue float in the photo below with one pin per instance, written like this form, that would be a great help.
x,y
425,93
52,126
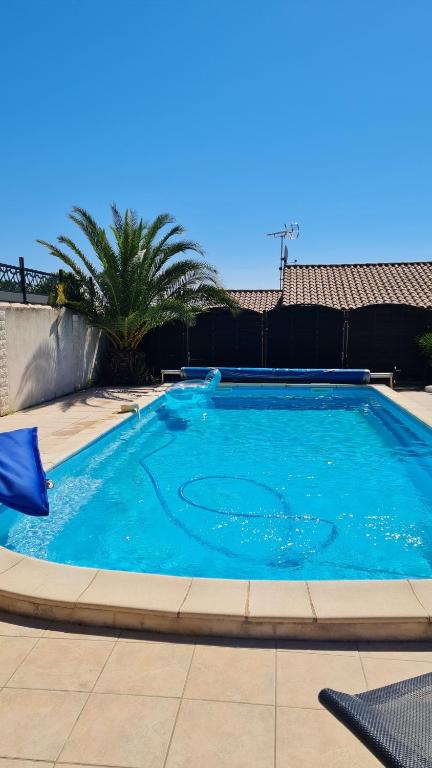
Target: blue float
x,y
190,390
23,484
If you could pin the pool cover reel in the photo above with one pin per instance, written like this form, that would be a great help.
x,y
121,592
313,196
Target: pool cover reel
x,y
295,375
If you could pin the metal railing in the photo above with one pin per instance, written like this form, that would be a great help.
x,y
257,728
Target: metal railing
x,y
27,286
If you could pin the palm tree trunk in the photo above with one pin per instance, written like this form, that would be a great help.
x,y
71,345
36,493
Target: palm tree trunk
x,y
124,367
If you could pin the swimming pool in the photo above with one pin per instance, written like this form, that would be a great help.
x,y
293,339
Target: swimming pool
x,y
264,482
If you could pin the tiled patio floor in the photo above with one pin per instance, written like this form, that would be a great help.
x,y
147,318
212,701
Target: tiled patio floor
x,y
111,698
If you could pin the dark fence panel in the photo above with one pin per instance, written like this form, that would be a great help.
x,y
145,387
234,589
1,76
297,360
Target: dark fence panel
x,y
305,337
221,338
379,338
166,347
217,338
26,286
383,336
201,340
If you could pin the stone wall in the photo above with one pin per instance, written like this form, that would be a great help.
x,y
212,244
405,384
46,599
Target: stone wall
x,y
44,353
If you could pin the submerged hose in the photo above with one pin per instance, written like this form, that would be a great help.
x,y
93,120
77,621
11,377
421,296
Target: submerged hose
x,y
285,515
372,572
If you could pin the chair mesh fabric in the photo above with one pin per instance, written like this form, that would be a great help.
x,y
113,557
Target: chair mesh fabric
x,y
394,722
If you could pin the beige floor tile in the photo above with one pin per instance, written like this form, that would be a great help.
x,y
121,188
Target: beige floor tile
x,y
216,597
232,674
307,738
157,669
13,651
60,631
35,724
8,560
406,651
365,600
423,590
141,636
130,731
20,626
44,579
6,762
387,671
237,642
319,646
221,735
150,591
70,765
272,599
301,676
68,665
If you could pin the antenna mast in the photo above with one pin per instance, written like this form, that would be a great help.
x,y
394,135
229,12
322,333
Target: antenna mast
x,y
290,232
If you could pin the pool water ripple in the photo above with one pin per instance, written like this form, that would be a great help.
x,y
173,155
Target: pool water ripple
x,y
255,482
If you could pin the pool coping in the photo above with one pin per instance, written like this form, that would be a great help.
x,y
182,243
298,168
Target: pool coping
x,y
325,610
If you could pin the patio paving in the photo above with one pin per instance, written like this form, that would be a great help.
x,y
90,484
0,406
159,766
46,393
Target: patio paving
x,y
77,696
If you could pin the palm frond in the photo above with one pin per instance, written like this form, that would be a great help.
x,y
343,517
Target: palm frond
x,y
141,279
425,344
65,258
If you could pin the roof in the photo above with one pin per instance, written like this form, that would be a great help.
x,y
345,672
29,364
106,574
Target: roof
x,y
257,300
345,286
349,286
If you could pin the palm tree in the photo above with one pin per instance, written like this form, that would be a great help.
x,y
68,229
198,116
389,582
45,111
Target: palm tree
x,y
139,283
425,344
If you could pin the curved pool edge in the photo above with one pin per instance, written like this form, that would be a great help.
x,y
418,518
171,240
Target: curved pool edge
x,y
315,610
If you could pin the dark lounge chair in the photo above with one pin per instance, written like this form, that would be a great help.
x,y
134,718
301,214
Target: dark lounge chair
x,y
394,722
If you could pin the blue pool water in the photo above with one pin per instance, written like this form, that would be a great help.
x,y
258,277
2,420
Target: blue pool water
x,y
253,482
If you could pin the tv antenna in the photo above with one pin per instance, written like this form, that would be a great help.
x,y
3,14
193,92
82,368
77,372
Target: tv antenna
x,y
290,232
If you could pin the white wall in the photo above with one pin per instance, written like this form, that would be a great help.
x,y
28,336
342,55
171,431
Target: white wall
x,y
44,353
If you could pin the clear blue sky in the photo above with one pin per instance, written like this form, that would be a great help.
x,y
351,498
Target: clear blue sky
x,y
234,115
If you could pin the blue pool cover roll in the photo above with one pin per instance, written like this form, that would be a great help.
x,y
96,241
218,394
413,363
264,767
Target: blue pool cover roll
x,y
22,479
299,375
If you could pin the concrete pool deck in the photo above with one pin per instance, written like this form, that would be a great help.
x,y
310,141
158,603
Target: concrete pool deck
x,y
80,697
343,610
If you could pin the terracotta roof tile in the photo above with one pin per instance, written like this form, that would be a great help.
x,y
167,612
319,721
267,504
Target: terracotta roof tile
x,y
257,300
349,286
